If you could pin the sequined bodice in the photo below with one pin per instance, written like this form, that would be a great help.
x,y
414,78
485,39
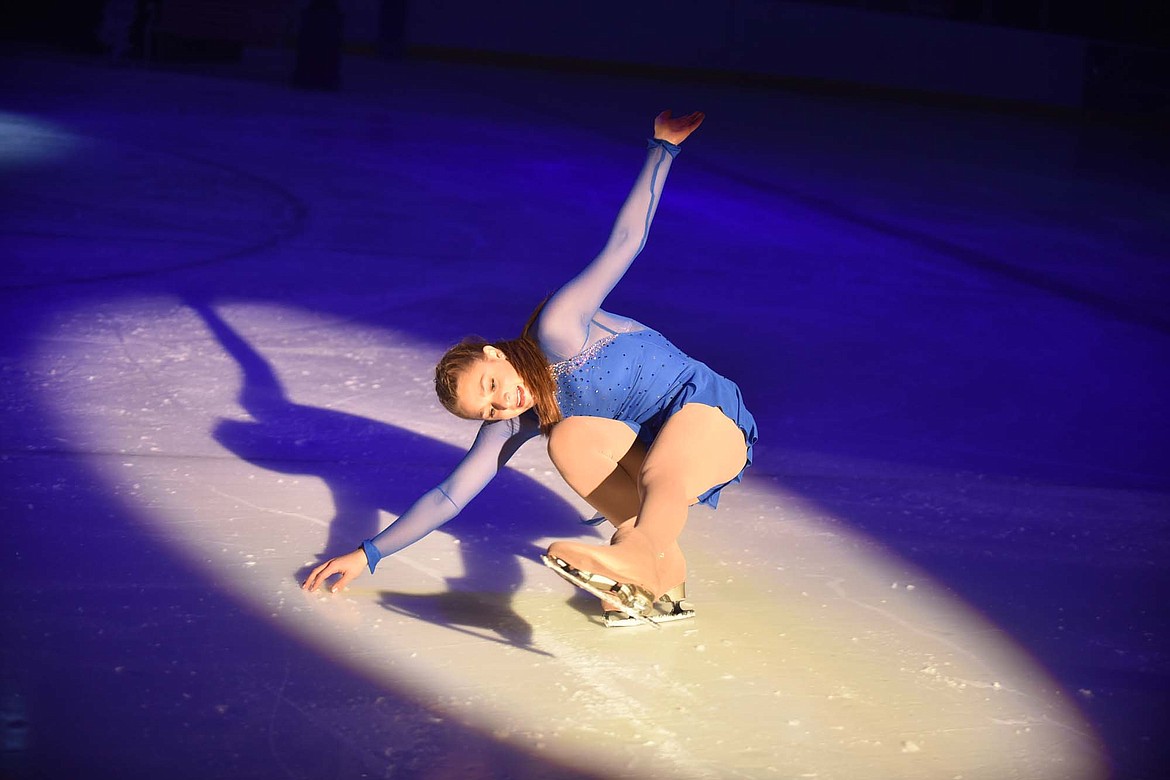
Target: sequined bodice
x,y
627,376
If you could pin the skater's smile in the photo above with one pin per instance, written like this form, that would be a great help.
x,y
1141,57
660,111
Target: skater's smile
x,y
491,389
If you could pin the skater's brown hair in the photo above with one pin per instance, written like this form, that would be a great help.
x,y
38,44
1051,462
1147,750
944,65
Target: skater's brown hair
x,y
526,357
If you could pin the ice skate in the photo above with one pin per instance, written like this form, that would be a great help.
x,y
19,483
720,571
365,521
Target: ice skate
x,y
669,607
630,557
630,602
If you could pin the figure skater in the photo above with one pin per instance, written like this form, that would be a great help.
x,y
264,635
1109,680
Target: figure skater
x,y
637,428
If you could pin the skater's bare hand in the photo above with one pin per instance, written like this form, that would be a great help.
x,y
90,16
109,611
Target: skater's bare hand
x,y
676,129
348,566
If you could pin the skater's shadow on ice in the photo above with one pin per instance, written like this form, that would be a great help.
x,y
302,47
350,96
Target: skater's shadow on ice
x,y
372,466
465,612
464,607
587,605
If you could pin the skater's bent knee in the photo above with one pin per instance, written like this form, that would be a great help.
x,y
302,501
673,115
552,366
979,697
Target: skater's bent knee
x,y
565,438
574,437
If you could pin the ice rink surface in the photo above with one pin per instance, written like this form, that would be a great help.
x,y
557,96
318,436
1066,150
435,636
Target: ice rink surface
x,y
222,302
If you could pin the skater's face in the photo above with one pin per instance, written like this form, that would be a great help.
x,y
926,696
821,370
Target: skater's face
x,y
491,389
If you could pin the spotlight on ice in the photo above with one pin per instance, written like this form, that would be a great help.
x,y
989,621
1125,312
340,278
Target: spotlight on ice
x,y
816,652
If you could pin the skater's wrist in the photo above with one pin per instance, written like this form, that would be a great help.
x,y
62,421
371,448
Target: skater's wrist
x,y
673,149
373,554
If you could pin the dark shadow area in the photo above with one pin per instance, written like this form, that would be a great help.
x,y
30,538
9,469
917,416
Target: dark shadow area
x,y
470,613
987,261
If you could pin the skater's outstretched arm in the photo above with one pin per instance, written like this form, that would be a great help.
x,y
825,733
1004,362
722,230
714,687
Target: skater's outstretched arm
x,y
564,323
493,447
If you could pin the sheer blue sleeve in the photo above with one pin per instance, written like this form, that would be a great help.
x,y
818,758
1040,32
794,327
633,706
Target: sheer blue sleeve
x,y
563,327
495,444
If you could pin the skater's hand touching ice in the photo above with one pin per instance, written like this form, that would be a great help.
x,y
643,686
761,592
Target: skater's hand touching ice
x,y
348,566
676,129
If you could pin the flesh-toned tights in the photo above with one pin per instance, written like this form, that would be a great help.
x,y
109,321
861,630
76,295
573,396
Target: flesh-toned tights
x,y
698,448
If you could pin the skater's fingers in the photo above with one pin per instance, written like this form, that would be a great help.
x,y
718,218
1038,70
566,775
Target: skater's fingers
x,y
308,583
346,578
318,575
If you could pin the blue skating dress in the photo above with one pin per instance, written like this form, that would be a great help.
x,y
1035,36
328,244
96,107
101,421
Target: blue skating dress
x,y
605,366
641,379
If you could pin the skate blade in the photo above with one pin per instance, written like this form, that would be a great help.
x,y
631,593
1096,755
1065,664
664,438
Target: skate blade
x,y
614,619
608,595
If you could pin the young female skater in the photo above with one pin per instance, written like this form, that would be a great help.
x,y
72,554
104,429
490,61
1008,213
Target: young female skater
x,y
640,430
